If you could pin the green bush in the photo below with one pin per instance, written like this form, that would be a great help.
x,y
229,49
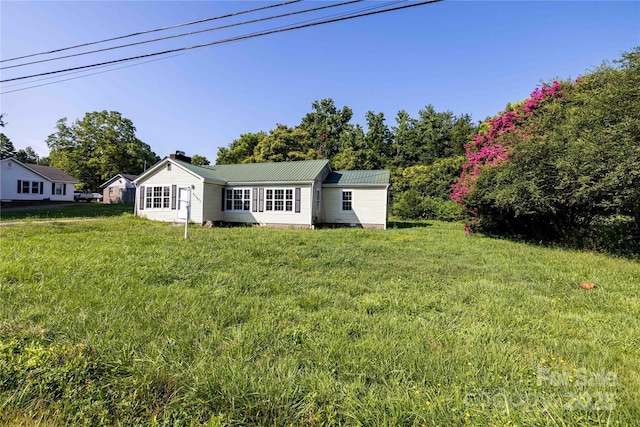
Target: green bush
x,y
572,174
413,205
422,191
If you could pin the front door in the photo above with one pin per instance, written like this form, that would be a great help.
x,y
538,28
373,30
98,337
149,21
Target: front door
x,y
184,200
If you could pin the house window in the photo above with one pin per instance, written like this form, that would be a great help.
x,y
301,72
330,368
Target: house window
x,y
279,200
57,188
238,199
347,200
158,197
317,200
33,187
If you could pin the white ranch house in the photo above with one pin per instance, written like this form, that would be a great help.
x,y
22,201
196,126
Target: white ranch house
x,y
286,194
28,182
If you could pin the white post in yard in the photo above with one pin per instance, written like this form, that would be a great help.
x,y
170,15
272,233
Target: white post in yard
x,y
186,222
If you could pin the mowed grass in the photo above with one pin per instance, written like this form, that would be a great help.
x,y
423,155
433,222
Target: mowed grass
x,y
122,321
52,210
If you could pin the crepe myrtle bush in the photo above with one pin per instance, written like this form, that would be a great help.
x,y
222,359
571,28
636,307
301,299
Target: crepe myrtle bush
x,y
562,166
492,146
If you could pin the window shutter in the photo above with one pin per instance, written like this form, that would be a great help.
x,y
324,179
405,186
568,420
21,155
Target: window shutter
x,y
261,199
141,202
174,188
41,187
19,186
64,190
224,192
297,199
254,200
53,188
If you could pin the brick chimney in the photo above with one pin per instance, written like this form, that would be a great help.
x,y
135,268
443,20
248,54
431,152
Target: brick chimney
x,y
179,155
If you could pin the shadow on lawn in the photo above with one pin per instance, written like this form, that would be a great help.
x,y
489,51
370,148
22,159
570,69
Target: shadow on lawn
x,y
398,223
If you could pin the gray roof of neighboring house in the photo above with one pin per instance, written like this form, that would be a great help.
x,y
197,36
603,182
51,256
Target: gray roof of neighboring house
x,y
126,176
367,177
51,173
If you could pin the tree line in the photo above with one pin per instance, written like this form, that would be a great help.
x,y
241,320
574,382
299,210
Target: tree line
x,y
424,153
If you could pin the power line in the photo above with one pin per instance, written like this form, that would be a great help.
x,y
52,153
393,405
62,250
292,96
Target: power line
x,y
244,37
86,75
253,21
144,62
154,30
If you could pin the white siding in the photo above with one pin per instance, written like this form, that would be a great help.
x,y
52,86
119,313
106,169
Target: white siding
x,y
11,172
212,210
303,218
369,206
180,178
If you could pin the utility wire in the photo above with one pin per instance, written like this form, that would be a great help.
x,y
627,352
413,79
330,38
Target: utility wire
x,y
253,21
110,66
154,30
281,30
86,75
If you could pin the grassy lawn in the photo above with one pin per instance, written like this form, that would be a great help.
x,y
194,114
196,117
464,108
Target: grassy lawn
x,y
121,321
47,211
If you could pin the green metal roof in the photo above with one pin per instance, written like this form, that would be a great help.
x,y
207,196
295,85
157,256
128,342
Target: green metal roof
x,y
358,177
299,171
202,171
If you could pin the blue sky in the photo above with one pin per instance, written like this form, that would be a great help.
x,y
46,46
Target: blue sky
x,y
468,57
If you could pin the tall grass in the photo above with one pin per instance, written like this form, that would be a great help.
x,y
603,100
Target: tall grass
x,y
121,321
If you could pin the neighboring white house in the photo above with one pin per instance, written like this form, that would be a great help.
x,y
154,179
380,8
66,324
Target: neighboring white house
x,y
119,189
282,194
26,181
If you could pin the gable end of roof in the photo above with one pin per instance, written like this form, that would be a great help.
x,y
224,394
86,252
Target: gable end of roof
x,y
49,173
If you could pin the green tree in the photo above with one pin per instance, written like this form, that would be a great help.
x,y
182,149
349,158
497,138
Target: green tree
x,y
6,147
27,155
240,150
378,142
422,191
406,141
284,144
199,160
97,147
433,135
349,155
325,125
434,180
461,133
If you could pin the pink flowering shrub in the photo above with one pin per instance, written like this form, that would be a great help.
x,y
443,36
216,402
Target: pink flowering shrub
x,y
493,147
